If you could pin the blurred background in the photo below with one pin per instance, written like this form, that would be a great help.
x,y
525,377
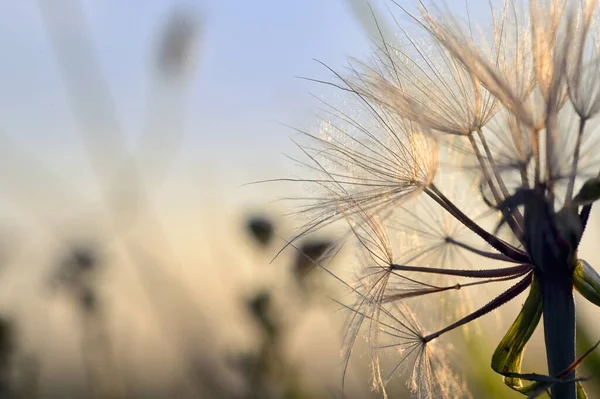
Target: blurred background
x,y
136,260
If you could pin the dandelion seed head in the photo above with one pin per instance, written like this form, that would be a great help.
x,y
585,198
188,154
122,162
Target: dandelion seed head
x,y
400,350
427,235
583,66
512,148
451,163
508,77
379,316
546,22
418,79
365,157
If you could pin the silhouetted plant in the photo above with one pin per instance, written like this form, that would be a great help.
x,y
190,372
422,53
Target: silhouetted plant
x,y
311,253
7,352
19,371
77,275
261,229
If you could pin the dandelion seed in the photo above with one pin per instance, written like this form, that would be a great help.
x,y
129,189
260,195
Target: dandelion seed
x,y
394,328
368,157
511,144
400,337
383,289
425,234
583,66
421,81
521,110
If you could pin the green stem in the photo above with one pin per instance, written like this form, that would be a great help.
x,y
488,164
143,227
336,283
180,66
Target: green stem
x,y
559,331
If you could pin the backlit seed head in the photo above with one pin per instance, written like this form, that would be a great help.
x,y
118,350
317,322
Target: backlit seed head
x,y
457,161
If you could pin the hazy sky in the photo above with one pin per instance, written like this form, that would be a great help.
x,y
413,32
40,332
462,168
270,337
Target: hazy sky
x,y
244,85
244,89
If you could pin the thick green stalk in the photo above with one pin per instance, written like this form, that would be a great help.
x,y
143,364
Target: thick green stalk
x,y
559,331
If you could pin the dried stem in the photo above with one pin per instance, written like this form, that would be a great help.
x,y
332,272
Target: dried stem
x,y
497,243
576,154
484,170
433,290
515,228
516,214
536,155
500,300
485,254
489,273
490,158
585,213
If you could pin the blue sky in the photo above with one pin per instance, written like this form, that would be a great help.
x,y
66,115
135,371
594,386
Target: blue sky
x,y
245,86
